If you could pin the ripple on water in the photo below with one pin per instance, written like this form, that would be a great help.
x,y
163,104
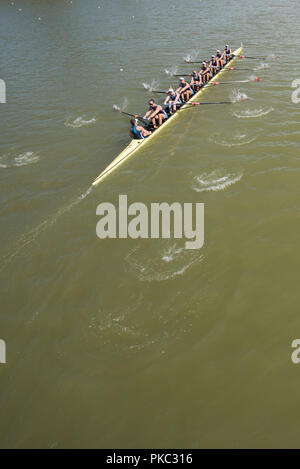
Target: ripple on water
x,y
215,181
252,113
78,122
165,263
11,159
235,140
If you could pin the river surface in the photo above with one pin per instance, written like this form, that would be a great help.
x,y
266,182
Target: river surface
x,y
143,343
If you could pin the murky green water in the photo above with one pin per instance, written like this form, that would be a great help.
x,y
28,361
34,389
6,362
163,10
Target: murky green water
x,y
141,343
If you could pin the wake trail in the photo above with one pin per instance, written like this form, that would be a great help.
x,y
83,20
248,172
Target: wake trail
x,y
27,238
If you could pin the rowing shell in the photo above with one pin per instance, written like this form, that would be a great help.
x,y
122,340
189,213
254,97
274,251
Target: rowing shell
x,y
135,145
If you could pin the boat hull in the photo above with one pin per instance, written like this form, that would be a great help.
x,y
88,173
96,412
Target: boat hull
x,y
135,145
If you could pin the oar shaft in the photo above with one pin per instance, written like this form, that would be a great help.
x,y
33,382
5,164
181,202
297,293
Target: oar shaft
x,y
237,69
139,118
200,104
248,57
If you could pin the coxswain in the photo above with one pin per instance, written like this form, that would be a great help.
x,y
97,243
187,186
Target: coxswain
x,y
137,131
156,114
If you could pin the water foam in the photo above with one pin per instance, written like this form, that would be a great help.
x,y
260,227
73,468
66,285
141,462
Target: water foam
x,y
166,263
237,96
79,122
235,140
214,181
151,86
10,160
252,113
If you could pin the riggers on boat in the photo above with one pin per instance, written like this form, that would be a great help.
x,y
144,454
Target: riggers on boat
x,y
135,145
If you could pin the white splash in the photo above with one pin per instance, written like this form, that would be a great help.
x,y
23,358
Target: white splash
x,y
151,86
172,71
272,57
79,122
122,106
191,57
171,253
237,96
262,66
214,181
164,263
10,160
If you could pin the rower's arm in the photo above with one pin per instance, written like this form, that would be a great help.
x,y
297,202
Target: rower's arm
x,y
154,113
166,100
147,114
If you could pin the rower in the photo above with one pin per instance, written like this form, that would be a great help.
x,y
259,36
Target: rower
x,y
227,53
156,114
213,65
220,59
205,73
137,131
172,100
185,90
196,81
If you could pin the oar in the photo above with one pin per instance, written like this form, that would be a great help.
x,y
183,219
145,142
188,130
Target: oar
x,y
230,82
254,58
200,104
159,92
229,69
131,115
